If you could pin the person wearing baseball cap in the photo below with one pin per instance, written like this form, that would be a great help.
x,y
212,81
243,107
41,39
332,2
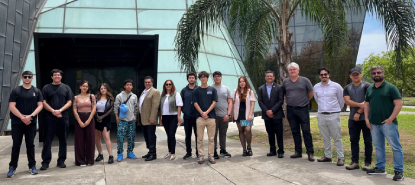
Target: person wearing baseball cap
x,y
354,96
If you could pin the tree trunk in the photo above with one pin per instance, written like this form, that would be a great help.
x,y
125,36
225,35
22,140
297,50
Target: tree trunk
x,y
284,53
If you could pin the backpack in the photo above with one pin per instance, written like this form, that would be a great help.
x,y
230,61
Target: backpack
x,y
19,89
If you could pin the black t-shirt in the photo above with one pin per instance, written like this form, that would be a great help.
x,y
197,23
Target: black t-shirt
x,y
56,97
204,98
26,102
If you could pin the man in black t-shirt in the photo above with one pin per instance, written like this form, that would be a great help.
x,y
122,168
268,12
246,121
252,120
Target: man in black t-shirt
x,y
25,103
205,98
57,98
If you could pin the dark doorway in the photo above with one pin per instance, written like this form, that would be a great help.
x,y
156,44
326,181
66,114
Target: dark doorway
x,y
96,58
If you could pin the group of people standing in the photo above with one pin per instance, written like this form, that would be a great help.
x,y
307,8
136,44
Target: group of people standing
x,y
373,111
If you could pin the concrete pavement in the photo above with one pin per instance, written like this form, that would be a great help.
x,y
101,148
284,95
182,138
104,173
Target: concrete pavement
x,y
258,169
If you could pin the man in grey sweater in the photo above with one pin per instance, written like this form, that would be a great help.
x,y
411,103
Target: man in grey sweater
x,y
125,110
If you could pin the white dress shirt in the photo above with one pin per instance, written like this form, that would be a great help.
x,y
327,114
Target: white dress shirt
x,y
142,98
329,97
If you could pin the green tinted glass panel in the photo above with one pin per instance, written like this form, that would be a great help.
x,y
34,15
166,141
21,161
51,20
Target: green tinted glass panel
x,y
103,3
102,31
167,62
49,30
179,80
162,4
230,81
222,64
159,18
166,37
203,63
217,46
54,3
30,62
100,18
53,18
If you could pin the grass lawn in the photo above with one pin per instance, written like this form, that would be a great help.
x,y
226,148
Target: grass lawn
x,y
407,140
408,109
408,100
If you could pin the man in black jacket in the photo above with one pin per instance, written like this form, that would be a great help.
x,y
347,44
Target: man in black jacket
x,y
270,99
189,114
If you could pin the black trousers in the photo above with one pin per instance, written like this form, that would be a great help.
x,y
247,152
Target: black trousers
x,y
170,126
29,132
274,127
58,127
149,132
354,131
299,119
188,125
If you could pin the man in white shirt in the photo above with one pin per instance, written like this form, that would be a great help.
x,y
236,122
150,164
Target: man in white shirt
x,y
329,97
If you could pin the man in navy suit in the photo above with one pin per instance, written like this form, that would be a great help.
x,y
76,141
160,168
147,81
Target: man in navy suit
x,y
270,99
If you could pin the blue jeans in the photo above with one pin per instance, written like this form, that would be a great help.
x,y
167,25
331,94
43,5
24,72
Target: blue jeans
x,y
390,132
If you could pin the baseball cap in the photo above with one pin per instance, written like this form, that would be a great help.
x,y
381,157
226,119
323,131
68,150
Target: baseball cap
x,y
355,70
123,110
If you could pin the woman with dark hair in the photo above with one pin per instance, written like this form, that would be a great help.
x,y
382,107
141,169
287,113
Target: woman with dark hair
x,y
244,104
105,105
84,109
169,112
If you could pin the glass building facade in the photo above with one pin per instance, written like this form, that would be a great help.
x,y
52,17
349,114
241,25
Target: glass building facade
x,y
219,51
308,49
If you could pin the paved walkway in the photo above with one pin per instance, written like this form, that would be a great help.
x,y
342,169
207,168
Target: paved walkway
x,y
258,169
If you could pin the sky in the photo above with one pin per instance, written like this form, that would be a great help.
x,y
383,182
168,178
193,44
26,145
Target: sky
x,y
373,39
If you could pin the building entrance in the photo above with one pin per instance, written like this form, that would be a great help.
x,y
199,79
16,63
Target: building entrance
x,y
97,58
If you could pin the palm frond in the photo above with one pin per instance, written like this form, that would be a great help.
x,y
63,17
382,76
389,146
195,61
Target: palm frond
x,y
261,30
202,16
331,16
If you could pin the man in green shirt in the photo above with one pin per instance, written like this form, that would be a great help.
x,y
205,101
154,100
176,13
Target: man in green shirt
x,y
382,104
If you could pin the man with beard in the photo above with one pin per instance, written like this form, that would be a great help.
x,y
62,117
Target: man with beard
x,y
329,97
382,104
189,114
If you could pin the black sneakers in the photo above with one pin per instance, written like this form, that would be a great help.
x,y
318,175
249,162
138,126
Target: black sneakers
x,y
99,158
61,165
398,176
215,155
376,171
44,167
187,156
224,153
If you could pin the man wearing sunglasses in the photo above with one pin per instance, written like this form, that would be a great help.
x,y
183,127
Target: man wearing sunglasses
x,y
25,103
383,103
329,97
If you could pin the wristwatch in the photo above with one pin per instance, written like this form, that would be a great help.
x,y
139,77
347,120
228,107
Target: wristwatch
x,y
32,116
359,113
230,115
60,110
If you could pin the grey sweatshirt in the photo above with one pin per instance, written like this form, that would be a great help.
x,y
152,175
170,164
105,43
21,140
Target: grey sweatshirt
x,y
132,105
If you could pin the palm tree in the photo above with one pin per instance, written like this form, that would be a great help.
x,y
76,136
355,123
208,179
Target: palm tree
x,y
262,22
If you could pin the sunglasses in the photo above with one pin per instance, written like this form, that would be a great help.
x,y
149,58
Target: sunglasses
x,y
27,77
375,73
325,74
169,84
147,82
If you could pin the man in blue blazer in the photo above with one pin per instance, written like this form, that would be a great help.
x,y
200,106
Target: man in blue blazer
x,y
270,99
